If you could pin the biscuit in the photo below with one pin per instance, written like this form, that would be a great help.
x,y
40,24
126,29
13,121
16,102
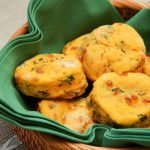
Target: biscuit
x,y
119,35
113,51
73,114
77,46
121,100
47,76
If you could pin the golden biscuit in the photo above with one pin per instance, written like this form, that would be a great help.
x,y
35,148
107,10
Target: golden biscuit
x,y
73,114
99,59
113,51
119,35
77,46
49,76
122,100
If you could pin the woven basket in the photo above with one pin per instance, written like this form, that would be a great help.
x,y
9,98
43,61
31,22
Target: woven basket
x,y
40,141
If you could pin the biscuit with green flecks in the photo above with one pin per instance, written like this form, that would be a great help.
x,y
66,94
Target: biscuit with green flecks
x,y
119,35
121,100
77,46
49,76
114,50
73,114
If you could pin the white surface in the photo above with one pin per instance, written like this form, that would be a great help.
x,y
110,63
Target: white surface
x,y
12,16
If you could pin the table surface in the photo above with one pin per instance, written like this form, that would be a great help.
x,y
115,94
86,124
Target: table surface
x,y
12,16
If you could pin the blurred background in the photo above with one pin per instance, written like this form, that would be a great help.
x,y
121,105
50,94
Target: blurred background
x,y
12,16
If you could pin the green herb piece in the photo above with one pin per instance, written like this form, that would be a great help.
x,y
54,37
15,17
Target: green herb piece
x,y
122,42
116,90
52,106
123,50
142,117
44,93
69,79
105,36
34,62
40,59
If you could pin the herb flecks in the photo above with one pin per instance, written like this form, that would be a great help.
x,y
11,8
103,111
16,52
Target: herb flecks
x,y
123,50
105,36
116,90
39,70
34,62
44,93
40,59
69,79
122,42
57,58
52,106
142,117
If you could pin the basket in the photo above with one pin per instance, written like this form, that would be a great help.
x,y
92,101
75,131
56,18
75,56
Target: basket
x,y
40,141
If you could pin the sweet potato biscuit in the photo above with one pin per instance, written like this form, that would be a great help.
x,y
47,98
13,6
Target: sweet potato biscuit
x,y
119,35
122,100
48,76
99,59
77,46
73,114
113,51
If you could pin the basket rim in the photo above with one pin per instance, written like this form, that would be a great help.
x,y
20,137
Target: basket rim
x,y
130,4
117,3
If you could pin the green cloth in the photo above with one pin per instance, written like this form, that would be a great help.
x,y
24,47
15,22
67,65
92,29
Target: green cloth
x,y
141,22
51,25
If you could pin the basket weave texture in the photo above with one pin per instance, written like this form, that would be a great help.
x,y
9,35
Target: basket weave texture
x,y
40,141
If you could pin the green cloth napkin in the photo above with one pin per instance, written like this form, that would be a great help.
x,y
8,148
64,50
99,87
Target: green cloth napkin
x,y
64,20
141,22
51,25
